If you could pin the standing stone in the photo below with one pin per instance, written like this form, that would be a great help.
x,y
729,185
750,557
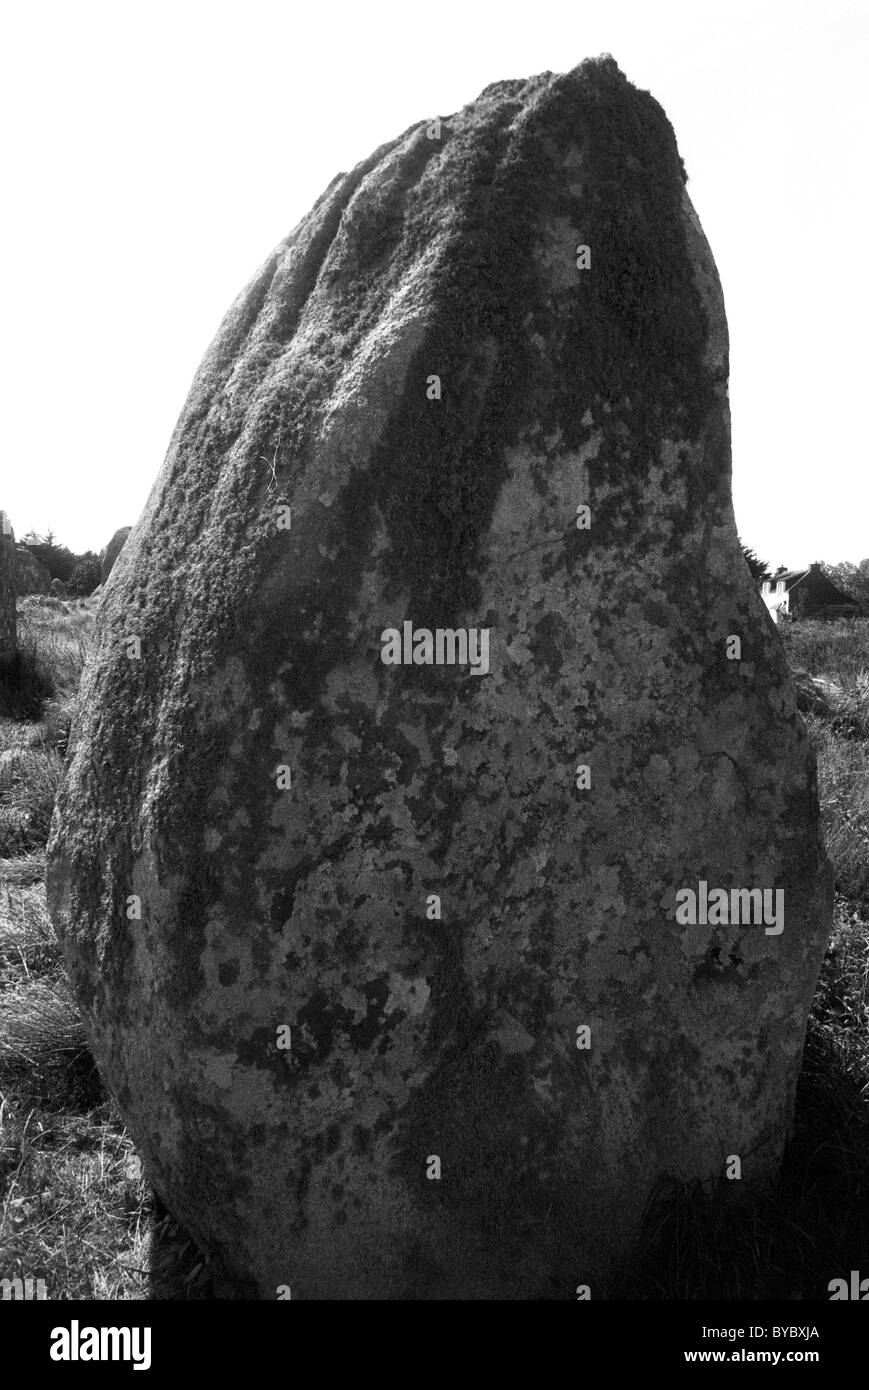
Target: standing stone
x,y
31,575
112,551
391,966
8,622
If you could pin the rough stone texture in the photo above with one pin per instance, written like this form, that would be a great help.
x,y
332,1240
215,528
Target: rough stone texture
x,y
112,551
8,620
31,575
260,647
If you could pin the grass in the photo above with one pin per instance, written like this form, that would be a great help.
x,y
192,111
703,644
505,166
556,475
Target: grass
x,y
843,778
837,651
76,1211
53,636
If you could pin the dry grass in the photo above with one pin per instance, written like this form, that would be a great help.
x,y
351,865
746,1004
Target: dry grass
x,y
55,643
29,783
71,1212
843,789
836,651
60,631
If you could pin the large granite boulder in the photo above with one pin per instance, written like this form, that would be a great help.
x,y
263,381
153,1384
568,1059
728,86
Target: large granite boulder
x,y
112,551
31,575
438,862
8,619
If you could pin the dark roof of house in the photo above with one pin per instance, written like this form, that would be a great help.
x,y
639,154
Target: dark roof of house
x,y
792,577
789,576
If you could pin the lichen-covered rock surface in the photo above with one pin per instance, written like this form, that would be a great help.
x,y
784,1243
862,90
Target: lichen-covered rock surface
x,y
305,899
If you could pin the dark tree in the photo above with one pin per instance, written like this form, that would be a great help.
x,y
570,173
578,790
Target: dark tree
x,y
759,568
59,561
85,575
851,579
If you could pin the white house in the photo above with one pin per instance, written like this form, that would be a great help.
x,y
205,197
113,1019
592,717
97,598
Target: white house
x,y
774,593
805,594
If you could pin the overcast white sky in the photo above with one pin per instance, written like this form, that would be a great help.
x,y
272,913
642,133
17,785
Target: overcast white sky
x,y
153,154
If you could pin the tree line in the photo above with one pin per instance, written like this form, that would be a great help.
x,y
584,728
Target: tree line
x,y
80,573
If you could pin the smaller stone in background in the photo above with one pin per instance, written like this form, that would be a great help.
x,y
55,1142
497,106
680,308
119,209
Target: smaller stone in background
x,y
8,628
112,551
31,575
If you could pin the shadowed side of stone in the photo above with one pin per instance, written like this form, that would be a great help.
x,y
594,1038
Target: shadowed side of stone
x,y
386,963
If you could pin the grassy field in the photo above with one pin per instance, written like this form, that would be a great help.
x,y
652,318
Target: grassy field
x,y
76,1211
